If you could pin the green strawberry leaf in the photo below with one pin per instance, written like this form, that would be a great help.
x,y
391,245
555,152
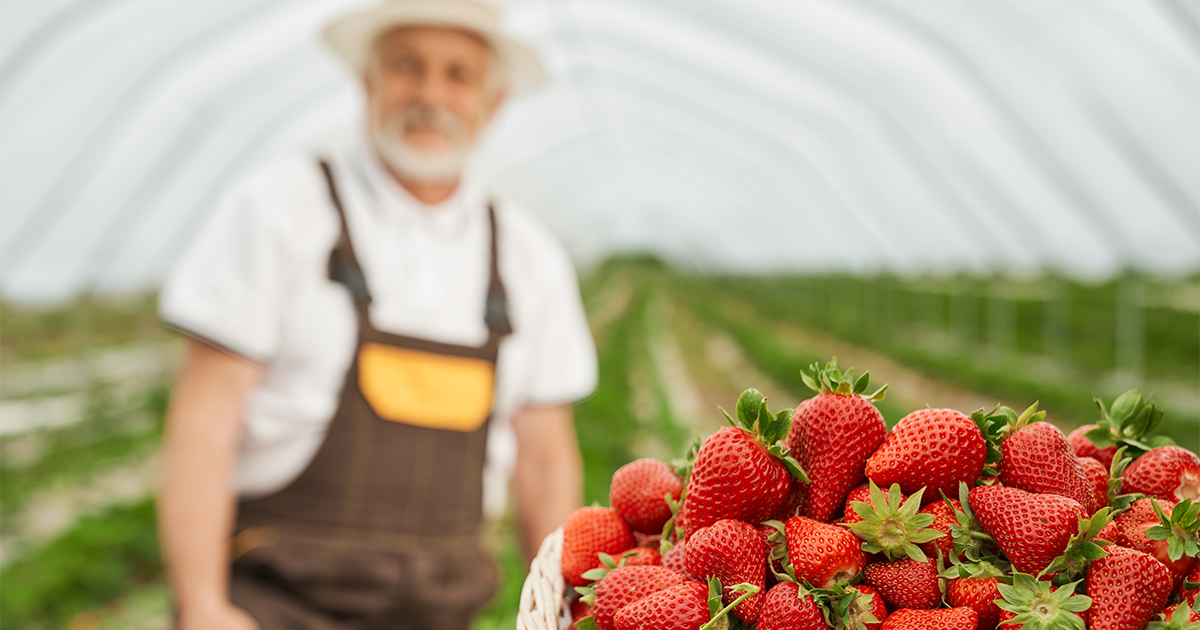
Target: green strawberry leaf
x,y
795,469
750,408
586,623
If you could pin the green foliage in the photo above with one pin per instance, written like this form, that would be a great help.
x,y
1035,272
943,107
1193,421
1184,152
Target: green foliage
x,y
101,558
892,528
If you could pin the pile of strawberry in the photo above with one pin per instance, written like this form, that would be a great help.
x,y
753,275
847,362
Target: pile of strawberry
x,y
822,518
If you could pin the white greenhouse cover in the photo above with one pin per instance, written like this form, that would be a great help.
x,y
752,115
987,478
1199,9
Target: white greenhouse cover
x,y
791,135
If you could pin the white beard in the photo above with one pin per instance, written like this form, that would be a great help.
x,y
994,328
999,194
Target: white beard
x,y
415,164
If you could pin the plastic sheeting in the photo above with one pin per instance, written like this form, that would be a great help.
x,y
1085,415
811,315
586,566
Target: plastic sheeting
x,y
795,135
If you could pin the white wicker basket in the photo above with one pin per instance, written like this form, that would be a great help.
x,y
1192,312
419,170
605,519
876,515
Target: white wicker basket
x,y
543,597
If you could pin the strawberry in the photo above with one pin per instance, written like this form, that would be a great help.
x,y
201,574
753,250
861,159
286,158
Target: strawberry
x,y
975,586
1030,529
733,552
892,528
905,583
943,619
1187,593
674,558
1129,423
687,606
1037,458
822,553
1127,588
638,493
944,516
624,585
681,607
1097,475
1033,605
1177,617
639,556
740,472
1167,472
861,493
796,498
854,607
935,449
1084,447
832,436
1165,530
579,610
787,606
588,532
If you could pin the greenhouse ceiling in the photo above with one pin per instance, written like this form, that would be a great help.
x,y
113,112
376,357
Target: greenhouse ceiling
x,y
937,136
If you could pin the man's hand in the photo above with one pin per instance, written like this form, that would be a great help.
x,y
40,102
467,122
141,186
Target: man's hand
x,y
217,616
549,478
196,501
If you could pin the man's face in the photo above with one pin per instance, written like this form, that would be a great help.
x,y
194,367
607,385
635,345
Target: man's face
x,y
430,92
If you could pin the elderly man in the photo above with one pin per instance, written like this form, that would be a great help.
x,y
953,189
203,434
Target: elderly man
x,y
366,334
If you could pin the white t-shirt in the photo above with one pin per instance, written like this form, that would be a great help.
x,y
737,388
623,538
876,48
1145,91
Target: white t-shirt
x,y
255,282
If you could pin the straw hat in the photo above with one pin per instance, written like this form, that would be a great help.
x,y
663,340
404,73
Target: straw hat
x,y
352,35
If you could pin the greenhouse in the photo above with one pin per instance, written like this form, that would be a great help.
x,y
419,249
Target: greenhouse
x,y
980,203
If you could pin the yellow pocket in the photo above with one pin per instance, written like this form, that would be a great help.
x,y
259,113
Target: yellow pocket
x,y
425,389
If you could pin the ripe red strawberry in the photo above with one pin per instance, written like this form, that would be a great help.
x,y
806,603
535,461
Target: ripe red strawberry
x,y
943,619
943,517
978,594
933,449
854,607
892,528
823,553
786,607
674,559
639,556
1037,458
733,552
1030,529
1169,613
1084,447
832,435
1127,588
1167,472
638,492
1190,595
681,607
579,610
862,494
1133,525
797,497
905,583
1029,603
588,532
1097,474
625,585
740,472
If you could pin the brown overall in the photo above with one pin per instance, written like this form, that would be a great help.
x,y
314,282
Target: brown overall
x,y
381,529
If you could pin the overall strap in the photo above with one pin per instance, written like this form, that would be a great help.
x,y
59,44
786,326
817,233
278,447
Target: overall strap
x,y
496,308
343,263
345,269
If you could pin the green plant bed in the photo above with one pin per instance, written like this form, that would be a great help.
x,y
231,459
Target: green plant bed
x,y
787,301
105,438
